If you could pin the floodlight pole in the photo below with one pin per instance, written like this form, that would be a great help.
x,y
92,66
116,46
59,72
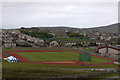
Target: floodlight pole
x,y
106,45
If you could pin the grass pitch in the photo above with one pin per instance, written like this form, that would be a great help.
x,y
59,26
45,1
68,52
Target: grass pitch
x,y
58,56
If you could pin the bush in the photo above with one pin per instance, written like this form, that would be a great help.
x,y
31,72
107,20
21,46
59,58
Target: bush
x,y
25,45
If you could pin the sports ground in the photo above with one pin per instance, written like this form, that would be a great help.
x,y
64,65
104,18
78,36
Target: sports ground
x,y
51,62
57,57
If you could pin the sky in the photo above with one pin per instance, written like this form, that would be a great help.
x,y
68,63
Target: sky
x,y
51,14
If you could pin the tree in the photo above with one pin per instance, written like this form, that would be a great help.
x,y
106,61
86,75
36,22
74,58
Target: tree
x,y
79,45
68,33
98,38
92,44
3,42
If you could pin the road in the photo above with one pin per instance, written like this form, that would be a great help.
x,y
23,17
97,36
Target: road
x,y
112,78
86,74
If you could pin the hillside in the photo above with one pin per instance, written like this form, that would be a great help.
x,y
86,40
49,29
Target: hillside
x,y
105,29
113,28
59,27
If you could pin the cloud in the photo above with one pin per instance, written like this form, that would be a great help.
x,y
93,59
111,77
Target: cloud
x,y
82,14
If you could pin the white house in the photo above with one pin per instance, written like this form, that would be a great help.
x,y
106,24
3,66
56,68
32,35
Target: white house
x,y
39,42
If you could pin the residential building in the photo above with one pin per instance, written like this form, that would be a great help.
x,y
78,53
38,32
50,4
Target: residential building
x,y
54,44
9,44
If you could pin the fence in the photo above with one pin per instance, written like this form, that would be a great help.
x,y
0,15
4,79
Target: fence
x,y
84,55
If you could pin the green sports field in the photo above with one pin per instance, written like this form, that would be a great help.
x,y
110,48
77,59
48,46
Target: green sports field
x,y
58,56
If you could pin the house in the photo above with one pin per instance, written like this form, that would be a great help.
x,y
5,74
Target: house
x,y
76,31
52,34
114,40
97,34
22,36
111,51
20,41
100,43
86,43
108,38
29,38
9,44
54,44
39,42
68,44
15,31
101,38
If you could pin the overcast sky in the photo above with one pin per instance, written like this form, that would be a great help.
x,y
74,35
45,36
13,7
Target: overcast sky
x,y
76,14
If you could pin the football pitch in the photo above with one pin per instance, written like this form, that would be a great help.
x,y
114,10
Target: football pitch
x,y
58,56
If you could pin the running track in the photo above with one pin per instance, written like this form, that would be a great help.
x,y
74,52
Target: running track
x,y
72,62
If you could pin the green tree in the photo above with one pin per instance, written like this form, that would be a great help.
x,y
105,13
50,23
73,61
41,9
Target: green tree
x,y
79,45
68,33
92,44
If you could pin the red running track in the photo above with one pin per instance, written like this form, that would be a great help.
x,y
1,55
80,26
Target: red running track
x,y
71,62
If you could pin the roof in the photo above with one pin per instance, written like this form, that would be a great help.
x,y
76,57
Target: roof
x,y
53,42
11,58
116,47
9,43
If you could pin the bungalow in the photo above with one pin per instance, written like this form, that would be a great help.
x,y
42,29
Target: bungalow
x,y
39,42
101,38
20,41
54,44
22,36
29,38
